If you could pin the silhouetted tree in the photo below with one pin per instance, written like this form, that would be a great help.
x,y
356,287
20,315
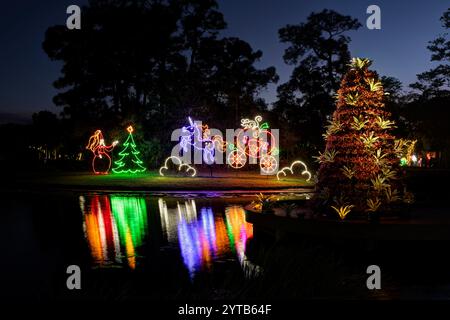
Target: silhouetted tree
x,y
436,82
153,63
427,108
318,50
228,65
111,64
395,101
46,134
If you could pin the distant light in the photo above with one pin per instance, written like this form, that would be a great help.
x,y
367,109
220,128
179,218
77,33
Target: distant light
x,y
403,162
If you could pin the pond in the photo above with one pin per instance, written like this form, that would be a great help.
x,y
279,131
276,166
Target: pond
x,y
177,240
118,228
189,246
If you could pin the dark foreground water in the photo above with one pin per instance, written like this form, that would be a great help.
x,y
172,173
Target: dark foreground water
x,y
191,246
118,229
174,241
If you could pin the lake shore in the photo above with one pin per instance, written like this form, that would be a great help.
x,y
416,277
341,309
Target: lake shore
x,y
152,181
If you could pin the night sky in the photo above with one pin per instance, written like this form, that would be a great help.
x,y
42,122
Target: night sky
x,y
398,49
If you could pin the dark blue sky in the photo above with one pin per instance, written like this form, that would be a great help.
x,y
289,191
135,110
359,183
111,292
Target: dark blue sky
x,y
398,49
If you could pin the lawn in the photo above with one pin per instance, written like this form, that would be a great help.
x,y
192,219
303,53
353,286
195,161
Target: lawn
x,y
153,181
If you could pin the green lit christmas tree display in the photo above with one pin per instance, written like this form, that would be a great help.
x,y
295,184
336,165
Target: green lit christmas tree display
x,y
359,169
129,161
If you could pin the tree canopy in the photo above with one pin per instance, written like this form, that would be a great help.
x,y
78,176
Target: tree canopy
x,y
318,50
154,63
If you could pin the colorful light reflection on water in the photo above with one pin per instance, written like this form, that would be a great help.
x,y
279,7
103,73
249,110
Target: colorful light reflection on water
x,y
116,227
204,237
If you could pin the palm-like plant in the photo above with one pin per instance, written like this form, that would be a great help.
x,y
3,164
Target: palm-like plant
x,y
369,139
384,124
399,146
373,205
391,195
333,127
358,63
349,173
388,173
352,99
358,123
330,155
343,211
380,157
374,85
263,202
379,183
327,156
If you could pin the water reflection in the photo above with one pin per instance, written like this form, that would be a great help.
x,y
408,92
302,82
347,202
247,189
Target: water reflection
x,y
238,230
204,237
114,226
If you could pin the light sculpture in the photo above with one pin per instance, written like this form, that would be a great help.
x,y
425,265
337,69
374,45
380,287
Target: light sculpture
x,y
198,136
291,170
101,152
250,143
129,161
177,161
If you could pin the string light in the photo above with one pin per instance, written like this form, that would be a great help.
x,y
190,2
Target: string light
x,y
403,162
129,161
248,144
197,136
253,146
180,163
98,148
268,164
291,170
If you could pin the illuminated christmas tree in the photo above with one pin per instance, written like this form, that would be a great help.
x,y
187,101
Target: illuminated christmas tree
x,y
129,161
359,169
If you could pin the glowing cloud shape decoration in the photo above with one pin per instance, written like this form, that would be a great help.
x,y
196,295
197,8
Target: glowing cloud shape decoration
x,y
291,170
177,161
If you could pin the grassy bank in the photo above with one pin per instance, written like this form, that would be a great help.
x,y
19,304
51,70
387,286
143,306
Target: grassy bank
x,y
153,181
